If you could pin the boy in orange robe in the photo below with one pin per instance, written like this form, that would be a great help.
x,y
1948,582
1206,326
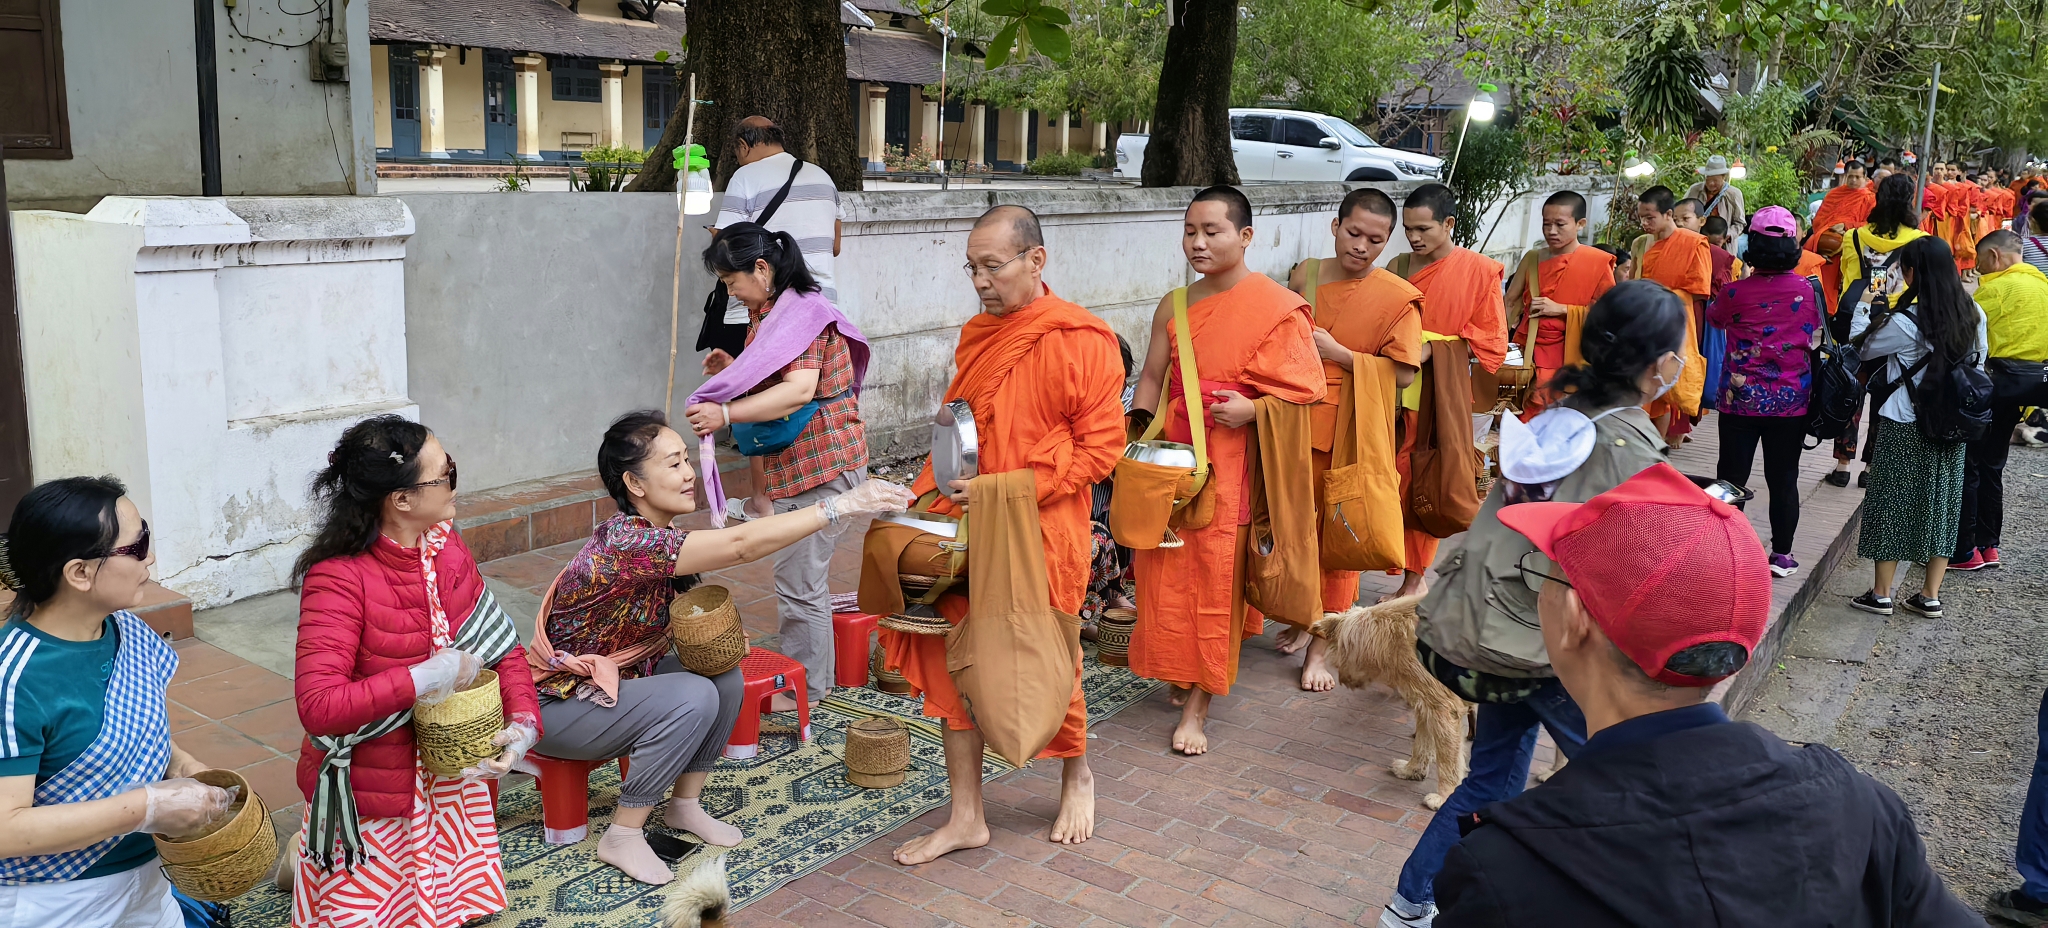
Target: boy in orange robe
x,y
1251,337
1569,277
1847,206
1044,379
1461,298
1358,308
1678,259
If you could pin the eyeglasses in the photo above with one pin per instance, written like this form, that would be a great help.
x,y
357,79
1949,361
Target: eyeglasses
x,y
139,549
1522,567
976,270
447,478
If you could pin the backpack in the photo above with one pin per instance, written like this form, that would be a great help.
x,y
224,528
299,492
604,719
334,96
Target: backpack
x,y
1836,394
1865,296
1953,407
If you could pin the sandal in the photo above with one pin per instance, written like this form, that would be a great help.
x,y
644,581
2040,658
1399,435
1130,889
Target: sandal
x,y
736,510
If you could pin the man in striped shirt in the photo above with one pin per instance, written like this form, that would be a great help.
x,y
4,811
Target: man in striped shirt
x,y
810,212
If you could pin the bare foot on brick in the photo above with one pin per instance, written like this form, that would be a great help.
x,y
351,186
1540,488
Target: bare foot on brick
x,y
1290,639
952,836
1188,737
1411,585
1076,820
1315,668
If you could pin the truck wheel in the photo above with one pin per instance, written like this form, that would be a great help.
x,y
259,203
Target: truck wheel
x,y
1371,174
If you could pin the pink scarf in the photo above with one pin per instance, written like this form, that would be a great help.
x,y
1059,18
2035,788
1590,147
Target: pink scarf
x,y
601,670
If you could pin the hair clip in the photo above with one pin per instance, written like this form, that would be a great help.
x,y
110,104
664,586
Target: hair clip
x,y
396,458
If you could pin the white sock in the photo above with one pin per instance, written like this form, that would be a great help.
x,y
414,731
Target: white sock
x,y
626,849
689,815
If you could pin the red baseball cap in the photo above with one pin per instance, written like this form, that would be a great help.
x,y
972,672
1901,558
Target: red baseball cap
x,y
1660,565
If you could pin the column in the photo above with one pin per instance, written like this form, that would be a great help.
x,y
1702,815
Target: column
x,y
433,112
1020,138
612,94
977,134
1101,138
878,121
1065,123
929,134
527,102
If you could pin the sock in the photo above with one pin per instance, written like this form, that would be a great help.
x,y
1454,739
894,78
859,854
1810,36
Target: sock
x,y
626,849
689,815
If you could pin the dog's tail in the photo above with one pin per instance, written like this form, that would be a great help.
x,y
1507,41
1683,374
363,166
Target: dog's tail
x,y
700,900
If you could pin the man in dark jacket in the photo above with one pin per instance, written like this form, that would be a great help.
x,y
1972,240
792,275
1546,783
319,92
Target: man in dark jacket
x,y
1671,815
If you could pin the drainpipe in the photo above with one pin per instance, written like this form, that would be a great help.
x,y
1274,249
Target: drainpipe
x,y
209,98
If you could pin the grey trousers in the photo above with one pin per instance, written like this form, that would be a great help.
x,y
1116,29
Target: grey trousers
x,y
803,592
666,725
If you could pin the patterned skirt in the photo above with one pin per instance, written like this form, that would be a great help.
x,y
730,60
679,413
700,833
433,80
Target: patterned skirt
x,y
436,868
1915,497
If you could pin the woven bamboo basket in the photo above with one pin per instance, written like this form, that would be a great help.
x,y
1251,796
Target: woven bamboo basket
x,y
886,680
229,859
456,733
704,628
877,753
1113,636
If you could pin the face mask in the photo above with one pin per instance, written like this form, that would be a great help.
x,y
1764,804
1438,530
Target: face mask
x,y
1546,449
1668,384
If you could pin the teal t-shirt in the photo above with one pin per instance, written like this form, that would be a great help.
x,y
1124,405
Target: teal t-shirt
x,y
53,698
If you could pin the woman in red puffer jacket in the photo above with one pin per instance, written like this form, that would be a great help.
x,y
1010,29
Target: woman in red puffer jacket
x,y
393,612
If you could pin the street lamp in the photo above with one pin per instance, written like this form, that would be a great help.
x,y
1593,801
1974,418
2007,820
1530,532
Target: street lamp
x,y
1737,172
1637,168
1481,109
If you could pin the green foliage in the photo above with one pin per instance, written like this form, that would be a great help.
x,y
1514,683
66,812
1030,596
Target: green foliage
x,y
918,160
1111,72
1659,80
1054,164
607,168
1493,165
1037,23
1621,228
1764,116
1307,52
1772,181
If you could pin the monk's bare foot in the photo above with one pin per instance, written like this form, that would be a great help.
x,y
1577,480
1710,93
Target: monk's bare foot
x,y
1076,820
1290,639
1188,737
759,506
1412,584
1179,697
1315,669
952,836
782,702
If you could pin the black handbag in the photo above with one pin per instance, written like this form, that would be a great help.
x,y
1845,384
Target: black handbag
x,y
2017,381
731,337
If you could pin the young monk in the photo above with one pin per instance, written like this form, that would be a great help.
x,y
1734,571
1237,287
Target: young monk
x,y
1358,308
1681,260
1690,215
1461,298
1251,337
1726,268
1567,278
1847,206
1044,379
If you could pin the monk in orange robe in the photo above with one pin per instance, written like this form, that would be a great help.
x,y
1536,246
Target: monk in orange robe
x,y
1963,202
1358,308
1847,206
1461,298
1569,277
1044,379
1251,338
1678,259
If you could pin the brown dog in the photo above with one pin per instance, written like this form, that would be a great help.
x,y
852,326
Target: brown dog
x,y
1371,644
700,900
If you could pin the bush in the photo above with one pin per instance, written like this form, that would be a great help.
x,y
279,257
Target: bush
x,y
607,168
918,161
1772,181
1493,166
1054,164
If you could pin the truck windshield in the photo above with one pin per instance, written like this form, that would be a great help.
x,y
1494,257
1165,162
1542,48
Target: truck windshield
x,y
1350,134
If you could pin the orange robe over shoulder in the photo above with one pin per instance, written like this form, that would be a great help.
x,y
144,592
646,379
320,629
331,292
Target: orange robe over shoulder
x,y
1684,262
1844,207
1192,616
1461,296
1381,315
1044,382
1576,279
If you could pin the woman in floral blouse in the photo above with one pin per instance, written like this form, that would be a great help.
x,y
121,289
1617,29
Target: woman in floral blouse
x,y
608,686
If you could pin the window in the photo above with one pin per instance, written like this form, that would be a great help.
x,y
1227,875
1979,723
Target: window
x,y
33,120
657,96
1350,133
576,79
1301,133
1252,128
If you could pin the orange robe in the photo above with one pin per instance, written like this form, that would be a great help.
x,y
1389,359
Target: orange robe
x,y
1380,314
1576,279
1963,197
1844,207
1044,382
1192,616
1810,264
1461,296
1683,262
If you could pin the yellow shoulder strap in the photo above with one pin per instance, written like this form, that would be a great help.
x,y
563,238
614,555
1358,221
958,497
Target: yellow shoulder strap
x,y
1190,386
1311,274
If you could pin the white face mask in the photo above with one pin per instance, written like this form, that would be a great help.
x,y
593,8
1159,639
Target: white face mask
x,y
1666,385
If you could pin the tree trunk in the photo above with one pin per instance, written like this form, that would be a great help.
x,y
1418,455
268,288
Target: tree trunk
x,y
784,60
1190,144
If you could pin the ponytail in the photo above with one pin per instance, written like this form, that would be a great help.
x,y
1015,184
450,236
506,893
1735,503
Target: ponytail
x,y
736,249
1627,330
375,458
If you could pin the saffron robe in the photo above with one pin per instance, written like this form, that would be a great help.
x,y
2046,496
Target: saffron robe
x,y
1684,262
1576,278
1461,297
1192,616
1045,385
1849,209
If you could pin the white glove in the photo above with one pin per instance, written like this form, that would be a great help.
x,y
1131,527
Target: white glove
x,y
438,677
875,495
184,806
520,734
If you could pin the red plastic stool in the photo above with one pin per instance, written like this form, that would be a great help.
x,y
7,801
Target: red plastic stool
x,y
850,636
565,796
766,673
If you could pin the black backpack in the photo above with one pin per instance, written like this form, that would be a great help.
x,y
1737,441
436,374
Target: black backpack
x,y
1837,384
1950,408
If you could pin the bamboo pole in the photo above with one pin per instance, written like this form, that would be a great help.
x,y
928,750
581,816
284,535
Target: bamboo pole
x,y
675,293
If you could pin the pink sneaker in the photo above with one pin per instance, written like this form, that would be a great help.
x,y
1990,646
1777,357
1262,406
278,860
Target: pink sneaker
x,y
1990,556
1974,562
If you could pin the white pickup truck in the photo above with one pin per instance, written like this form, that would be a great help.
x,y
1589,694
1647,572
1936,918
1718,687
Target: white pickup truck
x,y
1292,145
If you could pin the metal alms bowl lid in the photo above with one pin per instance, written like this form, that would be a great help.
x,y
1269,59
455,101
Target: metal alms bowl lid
x,y
956,449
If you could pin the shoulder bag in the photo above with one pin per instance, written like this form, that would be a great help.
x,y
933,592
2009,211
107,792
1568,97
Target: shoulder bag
x,y
716,332
1158,489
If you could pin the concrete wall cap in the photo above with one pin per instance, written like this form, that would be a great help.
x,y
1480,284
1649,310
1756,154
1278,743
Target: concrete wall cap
x,y
277,219
174,221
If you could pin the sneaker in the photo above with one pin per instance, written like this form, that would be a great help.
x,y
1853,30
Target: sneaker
x,y
1395,915
1916,603
1839,478
1863,480
2018,908
1872,603
1782,565
1990,556
1974,562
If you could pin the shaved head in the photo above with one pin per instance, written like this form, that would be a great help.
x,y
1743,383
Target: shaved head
x,y
1022,222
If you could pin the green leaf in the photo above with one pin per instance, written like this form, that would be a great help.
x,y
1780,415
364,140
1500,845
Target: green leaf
x,y
661,56
1009,9
1050,40
1730,7
1048,13
1000,46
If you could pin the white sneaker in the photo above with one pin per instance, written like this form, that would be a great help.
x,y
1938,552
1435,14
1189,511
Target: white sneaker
x,y
1392,917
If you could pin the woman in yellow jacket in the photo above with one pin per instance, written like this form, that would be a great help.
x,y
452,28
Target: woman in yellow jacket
x,y
1867,274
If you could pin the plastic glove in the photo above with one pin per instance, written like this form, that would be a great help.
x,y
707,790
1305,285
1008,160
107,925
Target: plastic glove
x,y
521,732
873,496
184,806
440,676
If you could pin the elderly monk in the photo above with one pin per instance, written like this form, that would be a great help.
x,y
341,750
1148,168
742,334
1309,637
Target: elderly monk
x,y
1364,309
1567,277
1847,206
1681,260
1251,338
1043,377
1461,298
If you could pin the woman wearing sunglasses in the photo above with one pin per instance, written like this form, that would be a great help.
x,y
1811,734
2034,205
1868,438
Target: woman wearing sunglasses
x,y
88,769
393,612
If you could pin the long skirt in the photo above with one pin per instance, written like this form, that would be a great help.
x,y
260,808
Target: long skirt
x,y
1915,497
436,868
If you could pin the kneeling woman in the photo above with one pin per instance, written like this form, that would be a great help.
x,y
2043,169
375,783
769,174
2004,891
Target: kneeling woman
x,y
84,728
608,687
394,612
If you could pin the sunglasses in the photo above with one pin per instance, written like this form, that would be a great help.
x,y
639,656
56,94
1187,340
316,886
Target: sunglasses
x,y
447,478
138,550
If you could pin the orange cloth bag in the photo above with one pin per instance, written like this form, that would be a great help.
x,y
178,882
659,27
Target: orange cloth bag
x,y
1361,504
1153,499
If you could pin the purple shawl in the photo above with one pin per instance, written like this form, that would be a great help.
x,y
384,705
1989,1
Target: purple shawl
x,y
785,333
